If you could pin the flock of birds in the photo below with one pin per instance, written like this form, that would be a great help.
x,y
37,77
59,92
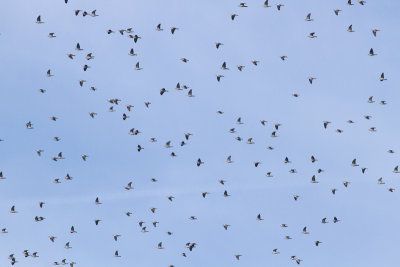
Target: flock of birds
x,y
186,137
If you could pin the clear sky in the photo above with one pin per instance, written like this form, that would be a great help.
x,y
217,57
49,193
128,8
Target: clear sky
x,y
367,233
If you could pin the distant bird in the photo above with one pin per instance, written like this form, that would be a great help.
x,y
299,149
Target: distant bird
x,y
304,231
382,78
93,14
279,6
350,28
337,11
67,245
312,35
218,44
173,29
137,67
308,17
199,162
374,31
158,28
396,169
39,20
132,52
240,67
233,16
371,52
128,186
78,47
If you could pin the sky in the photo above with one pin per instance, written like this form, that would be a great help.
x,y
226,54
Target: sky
x,y
346,77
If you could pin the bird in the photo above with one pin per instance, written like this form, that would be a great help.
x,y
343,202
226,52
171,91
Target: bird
x,y
93,14
233,16
89,56
240,67
78,47
313,180
382,77
137,67
278,6
266,4
371,52
158,28
12,210
218,44
199,162
304,231
173,29
48,74
312,35
132,52
275,251
354,163
237,256
259,217
350,28
396,169
374,31
308,17
337,11
128,186
116,254
67,245
39,20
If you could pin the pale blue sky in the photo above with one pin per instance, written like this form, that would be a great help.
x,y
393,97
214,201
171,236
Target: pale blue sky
x,y
367,234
